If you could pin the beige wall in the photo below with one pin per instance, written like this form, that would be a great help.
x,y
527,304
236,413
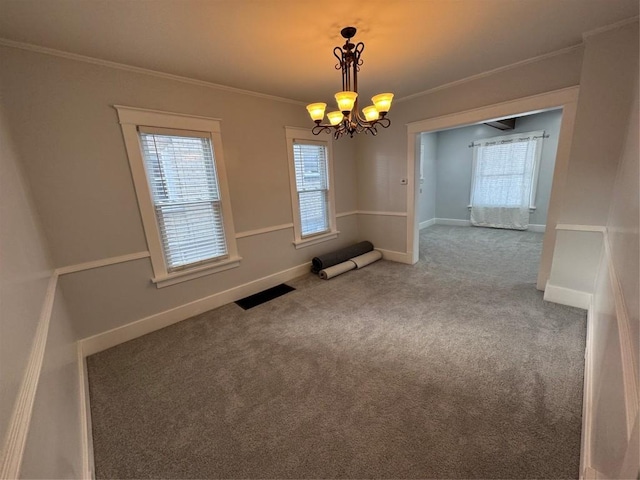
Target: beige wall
x,y
66,129
606,90
613,446
382,161
25,272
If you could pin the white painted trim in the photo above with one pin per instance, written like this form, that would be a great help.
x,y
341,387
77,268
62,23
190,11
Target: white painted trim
x,y
565,98
581,228
606,28
116,336
591,474
79,267
427,223
526,105
145,71
567,296
491,72
393,256
587,403
262,231
453,222
384,214
131,118
629,374
538,228
346,214
197,272
16,437
304,135
86,436
316,239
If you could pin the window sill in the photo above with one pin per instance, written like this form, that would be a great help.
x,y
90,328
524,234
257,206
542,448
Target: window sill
x,y
323,237
201,271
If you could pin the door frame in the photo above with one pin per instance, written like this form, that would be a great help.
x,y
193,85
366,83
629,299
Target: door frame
x,y
566,99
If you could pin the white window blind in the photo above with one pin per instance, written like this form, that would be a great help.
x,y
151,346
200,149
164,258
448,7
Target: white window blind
x,y
186,196
312,185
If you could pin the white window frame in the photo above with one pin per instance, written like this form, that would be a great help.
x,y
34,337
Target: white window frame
x,y
130,119
538,137
305,136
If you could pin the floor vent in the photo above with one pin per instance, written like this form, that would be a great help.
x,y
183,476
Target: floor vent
x,y
264,296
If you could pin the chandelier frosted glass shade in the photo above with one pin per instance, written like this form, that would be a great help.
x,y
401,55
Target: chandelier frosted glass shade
x,y
347,120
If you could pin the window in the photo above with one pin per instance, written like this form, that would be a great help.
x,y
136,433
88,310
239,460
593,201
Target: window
x,y
310,170
505,170
178,171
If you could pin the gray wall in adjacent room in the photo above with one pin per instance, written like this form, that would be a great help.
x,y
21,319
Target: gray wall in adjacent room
x,y
454,164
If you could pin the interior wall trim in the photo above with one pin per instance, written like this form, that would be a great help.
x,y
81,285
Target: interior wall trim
x,y
488,73
15,441
393,256
587,403
101,263
629,373
116,336
262,231
145,71
581,228
384,214
606,28
567,296
86,436
427,223
346,214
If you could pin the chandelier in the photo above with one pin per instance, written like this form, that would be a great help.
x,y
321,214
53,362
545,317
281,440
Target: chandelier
x,y
347,119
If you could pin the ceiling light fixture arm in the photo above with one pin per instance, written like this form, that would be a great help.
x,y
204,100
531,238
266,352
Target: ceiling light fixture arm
x,y
349,62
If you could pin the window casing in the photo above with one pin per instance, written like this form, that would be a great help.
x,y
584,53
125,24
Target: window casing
x,y
505,170
179,174
312,197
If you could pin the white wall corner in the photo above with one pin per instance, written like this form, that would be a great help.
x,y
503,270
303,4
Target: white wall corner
x,y
567,296
427,223
393,256
455,222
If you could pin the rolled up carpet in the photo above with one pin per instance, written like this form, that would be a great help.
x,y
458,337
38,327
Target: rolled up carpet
x,y
336,270
366,259
333,258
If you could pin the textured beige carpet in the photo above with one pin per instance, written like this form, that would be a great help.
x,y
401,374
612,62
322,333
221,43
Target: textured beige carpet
x,y
452,368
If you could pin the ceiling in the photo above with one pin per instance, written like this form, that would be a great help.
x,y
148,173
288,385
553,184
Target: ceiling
x,y
284,47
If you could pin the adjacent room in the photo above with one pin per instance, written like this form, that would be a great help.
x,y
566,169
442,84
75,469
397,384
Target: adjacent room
x,y
236,243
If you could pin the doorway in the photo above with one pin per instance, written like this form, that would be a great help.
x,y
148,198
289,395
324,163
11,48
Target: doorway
x,y
564,100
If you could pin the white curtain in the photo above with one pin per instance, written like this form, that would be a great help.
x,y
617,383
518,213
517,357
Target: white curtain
x,y
503,181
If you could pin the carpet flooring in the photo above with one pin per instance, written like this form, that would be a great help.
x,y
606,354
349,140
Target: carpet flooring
x,y
451,368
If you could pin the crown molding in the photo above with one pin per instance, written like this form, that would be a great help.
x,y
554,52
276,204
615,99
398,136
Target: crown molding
x,y
491,72
144,71
607,28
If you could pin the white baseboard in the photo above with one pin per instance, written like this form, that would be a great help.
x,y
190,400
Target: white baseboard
x,y
116,336
567,296
393,256
455,222
86,433
427,223
587,404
